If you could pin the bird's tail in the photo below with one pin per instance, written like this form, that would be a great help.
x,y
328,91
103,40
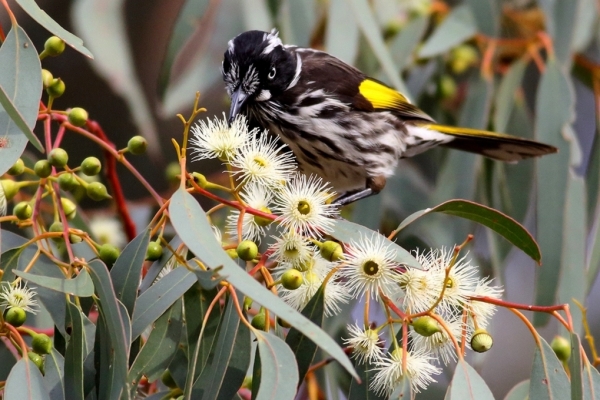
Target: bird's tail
x,y
498,146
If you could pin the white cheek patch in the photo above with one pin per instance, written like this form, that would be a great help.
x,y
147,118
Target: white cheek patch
x,y
263,95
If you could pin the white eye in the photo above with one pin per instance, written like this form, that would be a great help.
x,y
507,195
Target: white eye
x,y
271,73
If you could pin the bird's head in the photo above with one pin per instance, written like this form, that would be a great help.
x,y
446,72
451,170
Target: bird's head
x,y
256,67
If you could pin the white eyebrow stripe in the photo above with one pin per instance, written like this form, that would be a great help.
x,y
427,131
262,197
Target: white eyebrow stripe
x,y
297,73
274,41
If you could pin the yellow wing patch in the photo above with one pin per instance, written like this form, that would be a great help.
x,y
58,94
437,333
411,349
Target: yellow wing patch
x,y
381,96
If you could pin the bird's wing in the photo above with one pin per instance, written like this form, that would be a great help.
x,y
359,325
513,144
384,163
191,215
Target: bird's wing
x,y
353,87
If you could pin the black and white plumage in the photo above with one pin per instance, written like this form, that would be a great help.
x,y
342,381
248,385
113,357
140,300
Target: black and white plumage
x,y
342,125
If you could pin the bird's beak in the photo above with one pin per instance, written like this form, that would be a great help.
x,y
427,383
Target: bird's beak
x,y
238,98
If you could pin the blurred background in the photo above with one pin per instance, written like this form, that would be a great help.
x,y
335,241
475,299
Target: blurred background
x,y
529,68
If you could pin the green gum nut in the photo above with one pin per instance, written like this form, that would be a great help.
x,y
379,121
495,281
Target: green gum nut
x,y
154,251
91,166
97,191
15,316
561,347
67,182
481,341
247,250
331,251
78,116
292,279
56,88
56,227
69,208
10,188
137,145
58,157
259,321
17,169
108,253
47,78
41,344
54,46
23,210
42,168
426,326
262,221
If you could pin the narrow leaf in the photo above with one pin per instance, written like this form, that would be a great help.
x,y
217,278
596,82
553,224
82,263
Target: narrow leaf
x,y
575,367
54,366
81,285
47,22
519,392
458,26
127,269
155,301
591,382
281,379
75,354
189,221
504,225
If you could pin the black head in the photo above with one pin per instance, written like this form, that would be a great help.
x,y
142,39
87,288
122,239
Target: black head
x,y
256,67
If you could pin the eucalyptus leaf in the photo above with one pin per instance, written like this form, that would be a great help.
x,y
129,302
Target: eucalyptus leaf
x,y
458,26
281,379
81,285
548,377
25,382
54,366
47,22
75,354
519,392
467,384
591,381
575,368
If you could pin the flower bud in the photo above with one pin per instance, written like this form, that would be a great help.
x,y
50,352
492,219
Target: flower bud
x,y
15,316
37,360
447,87
41,344
42,168
247,303
154,251
426,326
108,253
331,251
23,210
462,57
78,116
199,179
262,221
54,46
69,207
91,166
58,157
10,188
67,182
172,172
97,191
137,145
47,78
292,279
73,238
56,227
232,253
247,250
259,321
247,384
283,323
56,88
481,341
17,169
561,347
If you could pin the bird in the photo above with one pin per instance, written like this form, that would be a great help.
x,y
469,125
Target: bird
x,y
342,125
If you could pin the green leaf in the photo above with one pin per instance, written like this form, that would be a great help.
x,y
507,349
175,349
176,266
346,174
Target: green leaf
x,y
115,61
47,22
406,42
117,344
297,20
304,349
552,114
458,26
10,240
224,374
155,301
365,19
81,285
467,384
127,269
548,377
75,354
20,93
158,351
347,232
190,223
281,379
591,382
256,15
54,365
504,225
575,368
574,235
519,392
487,16
25,382
10,262
6,355
341,36
505,97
